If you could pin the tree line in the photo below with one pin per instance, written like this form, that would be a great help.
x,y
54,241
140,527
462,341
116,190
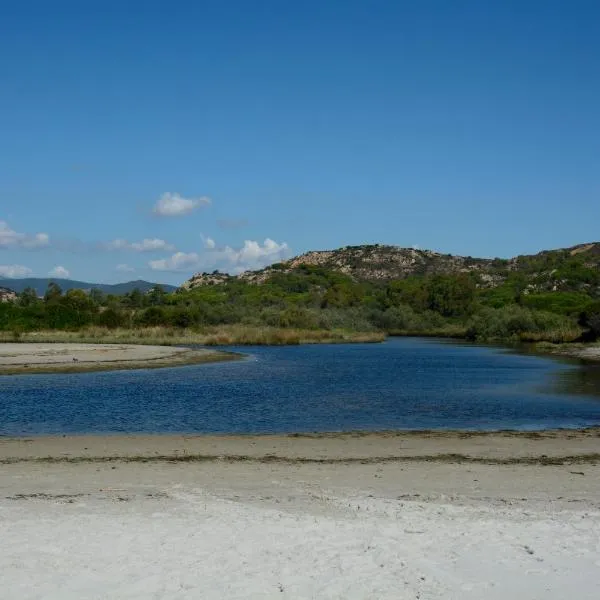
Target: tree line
x,y
315,298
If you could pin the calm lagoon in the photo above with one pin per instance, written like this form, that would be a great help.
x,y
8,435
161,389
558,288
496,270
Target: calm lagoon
x,y
405,383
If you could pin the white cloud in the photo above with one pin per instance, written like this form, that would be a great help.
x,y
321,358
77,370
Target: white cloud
x,y
39,240
14,271
59,272
12,239
180,261
251,256
151,245
254,256
174,205
123,268
146,245
209,243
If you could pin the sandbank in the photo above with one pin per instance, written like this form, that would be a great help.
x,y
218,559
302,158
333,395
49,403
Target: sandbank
x,y
24,358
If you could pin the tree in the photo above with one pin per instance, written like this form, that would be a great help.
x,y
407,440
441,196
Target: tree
x,y
135,298
53,292
451,295
111,318
97,296
590,319
153,316
157,295
28,297
78,300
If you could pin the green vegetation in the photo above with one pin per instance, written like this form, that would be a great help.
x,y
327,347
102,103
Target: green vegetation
x,y
315,304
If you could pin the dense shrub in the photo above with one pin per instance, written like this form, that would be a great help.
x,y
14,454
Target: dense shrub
x,y
518,323
112,318
314,299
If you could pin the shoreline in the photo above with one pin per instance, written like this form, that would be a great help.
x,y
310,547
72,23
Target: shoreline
x,y
584,353
46,358
560,446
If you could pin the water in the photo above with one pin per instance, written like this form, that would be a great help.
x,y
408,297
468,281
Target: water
x,y
406,383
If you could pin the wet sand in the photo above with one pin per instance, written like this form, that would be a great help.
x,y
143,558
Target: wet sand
x,y
25,358
508,447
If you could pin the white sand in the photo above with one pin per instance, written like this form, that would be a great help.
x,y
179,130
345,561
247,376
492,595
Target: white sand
x,y
240,530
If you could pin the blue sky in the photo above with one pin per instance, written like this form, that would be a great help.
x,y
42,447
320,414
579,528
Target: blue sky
x,y
155,139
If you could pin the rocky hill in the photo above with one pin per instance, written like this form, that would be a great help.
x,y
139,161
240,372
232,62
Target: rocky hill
x,y
7,295
200,279
377,263
547,270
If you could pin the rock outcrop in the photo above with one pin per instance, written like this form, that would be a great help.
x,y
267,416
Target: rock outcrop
x,y
7,295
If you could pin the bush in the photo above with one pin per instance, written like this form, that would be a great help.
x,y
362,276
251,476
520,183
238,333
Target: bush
x,y
155,315
590,319
518,323
564,303
112,318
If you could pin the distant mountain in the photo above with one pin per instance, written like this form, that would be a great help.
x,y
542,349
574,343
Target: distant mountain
x,y
574,268
40,285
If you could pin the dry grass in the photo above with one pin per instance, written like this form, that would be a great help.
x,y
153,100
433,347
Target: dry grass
x,y
447,331
562,335
224,335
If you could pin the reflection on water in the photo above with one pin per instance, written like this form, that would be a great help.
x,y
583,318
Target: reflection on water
x,y
402,384
582,381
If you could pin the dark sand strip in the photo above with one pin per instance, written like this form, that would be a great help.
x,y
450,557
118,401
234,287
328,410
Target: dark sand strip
x,y
550,447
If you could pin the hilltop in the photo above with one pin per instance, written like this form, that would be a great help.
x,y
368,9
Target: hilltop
x,y
575,268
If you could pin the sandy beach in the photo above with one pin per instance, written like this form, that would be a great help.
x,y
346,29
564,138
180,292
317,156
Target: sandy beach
x,y
392,515
24,358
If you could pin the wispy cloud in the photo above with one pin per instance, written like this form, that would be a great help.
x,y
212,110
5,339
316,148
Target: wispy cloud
x,y
11,271
146,245
171,204
123,268
9,238
60,272
251,256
